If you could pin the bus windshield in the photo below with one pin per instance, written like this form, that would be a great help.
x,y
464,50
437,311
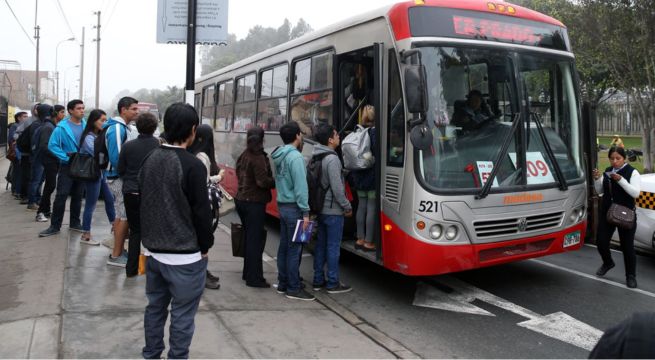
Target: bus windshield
x,y
480,99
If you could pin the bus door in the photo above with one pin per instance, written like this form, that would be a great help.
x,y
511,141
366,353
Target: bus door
x,y
358,85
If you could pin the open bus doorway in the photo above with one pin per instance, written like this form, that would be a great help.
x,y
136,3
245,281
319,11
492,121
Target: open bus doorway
x,y
358,85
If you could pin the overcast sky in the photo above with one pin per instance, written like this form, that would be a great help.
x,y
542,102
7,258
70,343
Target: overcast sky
x,y
130,57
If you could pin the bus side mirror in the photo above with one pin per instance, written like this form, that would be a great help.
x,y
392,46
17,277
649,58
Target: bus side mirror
x,y
415,89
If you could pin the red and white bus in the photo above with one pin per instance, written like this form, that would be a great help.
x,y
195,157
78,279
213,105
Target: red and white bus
x,y
451,197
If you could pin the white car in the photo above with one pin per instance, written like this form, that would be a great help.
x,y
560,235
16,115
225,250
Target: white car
x,y
645,235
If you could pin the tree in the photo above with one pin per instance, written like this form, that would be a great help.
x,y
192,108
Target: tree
x,y
163,98
259,39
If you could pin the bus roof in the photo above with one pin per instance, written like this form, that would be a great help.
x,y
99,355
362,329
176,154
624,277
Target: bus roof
x,y
398,15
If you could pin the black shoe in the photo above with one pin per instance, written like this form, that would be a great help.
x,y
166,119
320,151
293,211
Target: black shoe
x,y
281,290
212,277
24,201
264,284
318,287
49,232
341,288
631,281
603,269
212,284
77,227
301,295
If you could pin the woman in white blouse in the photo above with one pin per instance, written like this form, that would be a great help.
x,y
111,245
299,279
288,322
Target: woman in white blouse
x,y
620,184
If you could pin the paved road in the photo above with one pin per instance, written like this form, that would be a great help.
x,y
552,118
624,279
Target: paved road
x,y
556,300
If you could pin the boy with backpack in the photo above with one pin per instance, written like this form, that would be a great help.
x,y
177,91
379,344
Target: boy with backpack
x,y
36,150
327,198
108,146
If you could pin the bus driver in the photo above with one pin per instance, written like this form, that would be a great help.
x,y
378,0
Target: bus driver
x,y
473,113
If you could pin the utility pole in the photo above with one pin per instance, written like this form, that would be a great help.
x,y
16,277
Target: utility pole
x,y
191,52
37,37
82,66
98,61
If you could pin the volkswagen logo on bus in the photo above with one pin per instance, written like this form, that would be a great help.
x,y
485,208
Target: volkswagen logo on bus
x,y
523,224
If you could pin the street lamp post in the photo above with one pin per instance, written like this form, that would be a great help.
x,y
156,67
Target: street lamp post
x,y
56,60
65,83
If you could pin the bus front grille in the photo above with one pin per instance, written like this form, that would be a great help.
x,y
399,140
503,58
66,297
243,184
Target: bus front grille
x,y
511,226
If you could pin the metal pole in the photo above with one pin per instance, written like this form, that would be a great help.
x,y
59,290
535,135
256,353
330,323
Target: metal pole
x,y
82,66
37,37
98,62
191,52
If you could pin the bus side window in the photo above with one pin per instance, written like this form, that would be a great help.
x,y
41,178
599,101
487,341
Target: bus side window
x,y
311,101
395,116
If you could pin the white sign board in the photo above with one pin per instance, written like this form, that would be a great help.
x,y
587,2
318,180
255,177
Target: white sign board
x,y
211,21
484,169
538,170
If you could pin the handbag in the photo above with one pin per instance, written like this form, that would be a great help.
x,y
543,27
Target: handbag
x,y
83,167
239,239
620,215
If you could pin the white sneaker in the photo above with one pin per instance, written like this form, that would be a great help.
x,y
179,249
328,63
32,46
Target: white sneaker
x,y
89,241
40,217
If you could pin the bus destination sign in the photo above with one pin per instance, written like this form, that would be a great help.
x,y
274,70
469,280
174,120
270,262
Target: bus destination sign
x,y
490,29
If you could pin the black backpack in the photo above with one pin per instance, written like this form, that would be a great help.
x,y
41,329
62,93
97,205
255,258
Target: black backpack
x,y
316,191
100,151
23,143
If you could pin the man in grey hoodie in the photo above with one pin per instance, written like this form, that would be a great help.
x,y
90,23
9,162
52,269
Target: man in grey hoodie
x,y
335,207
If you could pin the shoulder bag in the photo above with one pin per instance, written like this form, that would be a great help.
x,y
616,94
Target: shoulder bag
x,y
620,215
83,167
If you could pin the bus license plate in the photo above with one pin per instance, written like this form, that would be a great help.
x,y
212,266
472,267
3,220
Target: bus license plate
x,y
572,239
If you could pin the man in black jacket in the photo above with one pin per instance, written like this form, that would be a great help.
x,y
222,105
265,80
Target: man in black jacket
x,y
176,231
48,164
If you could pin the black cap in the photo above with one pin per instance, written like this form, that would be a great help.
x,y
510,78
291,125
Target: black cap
x,y
45,111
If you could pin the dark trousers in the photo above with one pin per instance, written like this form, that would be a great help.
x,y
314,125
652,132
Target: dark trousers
x,y
179,286
25,175
50,170
15,177
132,203
252,216
627,238
67,186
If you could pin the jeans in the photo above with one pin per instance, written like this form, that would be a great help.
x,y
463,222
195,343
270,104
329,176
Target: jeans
x,y
179,286
288,253
66,186
252,216
132,204
93,189
25,174
328,249
34,191
365,216
16,178
50,174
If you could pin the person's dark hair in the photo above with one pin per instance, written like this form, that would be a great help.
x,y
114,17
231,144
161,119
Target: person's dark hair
x,y
58,108
94,116
73,103
289,131
19,114
473,93
255,138
146,123
125,102
44,111
204,142
323,133
179,120
617,149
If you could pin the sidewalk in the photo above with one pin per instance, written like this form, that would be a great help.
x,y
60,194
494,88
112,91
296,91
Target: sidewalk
x,y
58,298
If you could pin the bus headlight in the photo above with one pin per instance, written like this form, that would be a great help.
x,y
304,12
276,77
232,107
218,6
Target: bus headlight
x,y
435,231
577,214
451,232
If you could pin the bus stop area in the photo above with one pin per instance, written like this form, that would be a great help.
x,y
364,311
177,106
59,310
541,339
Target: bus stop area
x,y
59,299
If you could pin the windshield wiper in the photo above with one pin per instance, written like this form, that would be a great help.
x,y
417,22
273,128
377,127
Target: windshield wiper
x,y
503,152
549,151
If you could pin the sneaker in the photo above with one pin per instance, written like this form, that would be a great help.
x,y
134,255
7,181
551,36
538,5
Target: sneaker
x,y
49,232
77,228
212,284
603,269
32,207
631,281
89,241
24,201
40,217
301,295
279,289
318,287
120,261
341,288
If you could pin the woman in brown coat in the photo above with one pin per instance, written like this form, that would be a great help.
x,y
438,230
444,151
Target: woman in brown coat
x,y
255,184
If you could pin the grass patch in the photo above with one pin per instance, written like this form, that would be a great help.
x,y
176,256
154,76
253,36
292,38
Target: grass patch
x,y
629,142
